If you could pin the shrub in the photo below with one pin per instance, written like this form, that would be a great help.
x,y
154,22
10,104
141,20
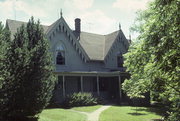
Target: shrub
x,y
80,99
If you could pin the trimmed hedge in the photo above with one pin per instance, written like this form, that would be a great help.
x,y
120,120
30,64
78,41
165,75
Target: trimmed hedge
x,y
80,99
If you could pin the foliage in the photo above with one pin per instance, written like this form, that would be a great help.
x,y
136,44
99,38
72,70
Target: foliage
x,y
80,99
28,88
154,62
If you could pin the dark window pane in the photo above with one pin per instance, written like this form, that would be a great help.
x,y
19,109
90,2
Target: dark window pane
x,y
60,59
120,61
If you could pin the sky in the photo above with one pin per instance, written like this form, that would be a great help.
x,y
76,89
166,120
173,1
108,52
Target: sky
x,y
97,16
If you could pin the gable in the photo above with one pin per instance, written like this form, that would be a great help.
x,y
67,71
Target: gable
x,y
61,25
110,38
119,40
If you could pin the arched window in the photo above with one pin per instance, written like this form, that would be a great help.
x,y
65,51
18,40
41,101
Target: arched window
x,y
60,55
120,60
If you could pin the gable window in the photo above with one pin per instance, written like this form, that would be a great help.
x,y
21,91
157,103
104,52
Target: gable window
x,y
120,61
60,55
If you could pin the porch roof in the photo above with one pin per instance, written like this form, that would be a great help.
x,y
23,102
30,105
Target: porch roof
x,y
92,73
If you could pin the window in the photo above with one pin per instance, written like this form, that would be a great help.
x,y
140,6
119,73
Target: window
x,y
60,55
120,61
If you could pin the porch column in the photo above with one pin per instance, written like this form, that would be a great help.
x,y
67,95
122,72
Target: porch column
x,y
63,87
81,83
120,93
98,85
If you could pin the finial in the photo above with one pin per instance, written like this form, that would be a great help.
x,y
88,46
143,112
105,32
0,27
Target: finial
x,y
119,26
129,36
61,13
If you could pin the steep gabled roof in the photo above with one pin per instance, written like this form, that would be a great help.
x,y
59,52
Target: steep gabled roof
x,y
13,25
94,46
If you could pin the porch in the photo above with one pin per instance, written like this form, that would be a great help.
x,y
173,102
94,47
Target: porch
x,y
106,85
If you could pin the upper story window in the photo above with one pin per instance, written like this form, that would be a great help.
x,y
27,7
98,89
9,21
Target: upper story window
x,y
120,61
60,55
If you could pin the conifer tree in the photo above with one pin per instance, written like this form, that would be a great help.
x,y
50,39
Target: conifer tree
x,y
29,63
4,46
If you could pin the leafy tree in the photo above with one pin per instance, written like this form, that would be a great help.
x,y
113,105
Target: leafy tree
x,y
30,82
154,62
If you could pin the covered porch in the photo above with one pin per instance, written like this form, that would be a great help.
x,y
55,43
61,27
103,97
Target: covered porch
x,y
106,85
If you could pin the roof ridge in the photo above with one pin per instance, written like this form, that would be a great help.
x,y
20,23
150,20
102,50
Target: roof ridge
x,y
97,33
24,22
92,33
112,32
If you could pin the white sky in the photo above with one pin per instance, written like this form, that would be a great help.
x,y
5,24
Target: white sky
x,y
97,16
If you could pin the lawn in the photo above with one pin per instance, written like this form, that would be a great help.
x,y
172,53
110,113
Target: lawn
x,y
61,115
114,113
87,108
128,113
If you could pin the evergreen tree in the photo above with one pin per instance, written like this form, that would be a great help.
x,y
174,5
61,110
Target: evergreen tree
x,y
29,63
4,46
154,62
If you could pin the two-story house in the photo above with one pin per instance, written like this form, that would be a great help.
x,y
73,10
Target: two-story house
x,y
84,62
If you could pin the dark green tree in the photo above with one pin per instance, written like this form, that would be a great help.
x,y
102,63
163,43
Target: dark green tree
x,y
154,63
4,46
30,68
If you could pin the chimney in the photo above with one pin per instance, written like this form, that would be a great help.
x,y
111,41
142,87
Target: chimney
x,y
77,25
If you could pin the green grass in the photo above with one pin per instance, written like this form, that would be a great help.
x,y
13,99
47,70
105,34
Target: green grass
x,y
61,115
87,108
128,113
114,113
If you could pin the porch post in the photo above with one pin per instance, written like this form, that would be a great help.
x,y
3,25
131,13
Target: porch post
x,y
81,83
63,87
120,93
98,85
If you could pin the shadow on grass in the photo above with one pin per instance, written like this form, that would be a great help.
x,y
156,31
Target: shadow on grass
x,y
156,120
139,109
156,110
137,114
19,119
